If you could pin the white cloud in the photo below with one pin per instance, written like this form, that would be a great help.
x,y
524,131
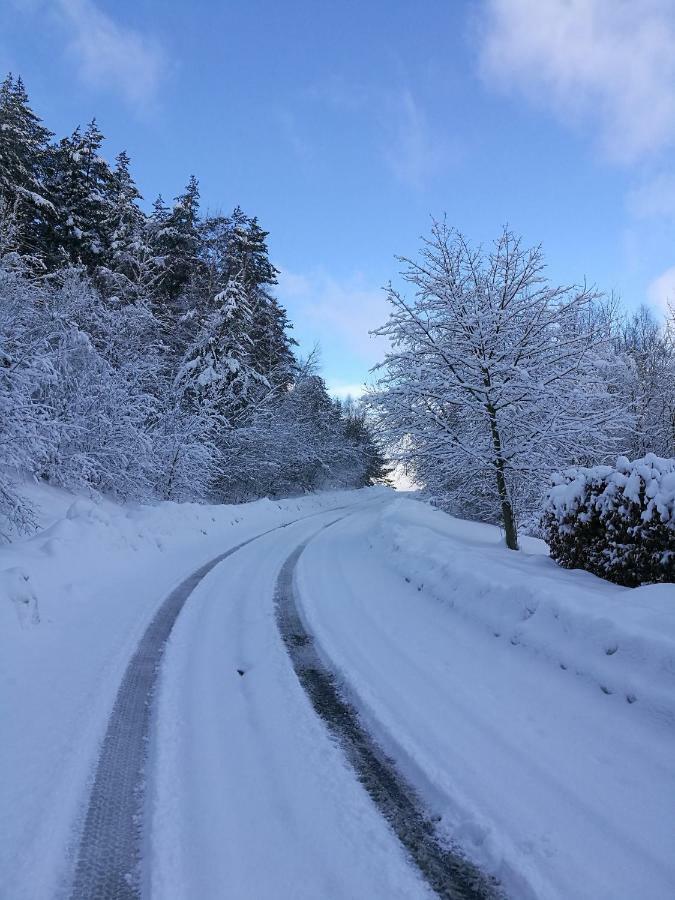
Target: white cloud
x,y
113,56
414,152
292,132
661,291
607,65
342,390
654,197
342,311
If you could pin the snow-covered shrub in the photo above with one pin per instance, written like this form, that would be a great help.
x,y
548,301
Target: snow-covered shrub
x,y
26,435
615,521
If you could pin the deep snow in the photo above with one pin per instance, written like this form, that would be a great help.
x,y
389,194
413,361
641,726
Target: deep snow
x,y
534,708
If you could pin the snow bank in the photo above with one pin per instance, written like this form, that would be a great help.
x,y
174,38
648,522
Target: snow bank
x,y
621,640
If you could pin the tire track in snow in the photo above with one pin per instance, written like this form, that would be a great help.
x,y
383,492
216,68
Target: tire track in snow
x,y
109,858
450,875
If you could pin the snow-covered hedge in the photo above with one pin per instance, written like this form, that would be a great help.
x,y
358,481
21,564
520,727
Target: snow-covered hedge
x,y
615,521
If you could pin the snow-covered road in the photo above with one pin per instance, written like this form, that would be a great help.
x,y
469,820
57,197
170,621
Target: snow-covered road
x,y
249,797
557,788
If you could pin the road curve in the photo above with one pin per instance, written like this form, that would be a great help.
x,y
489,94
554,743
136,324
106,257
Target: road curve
x,y
249,796
108,862
451,876
217,779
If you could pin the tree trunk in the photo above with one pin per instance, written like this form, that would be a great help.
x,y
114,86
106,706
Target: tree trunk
x,y
509,520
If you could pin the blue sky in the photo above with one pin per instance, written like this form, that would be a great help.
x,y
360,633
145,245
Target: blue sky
x,y
345,126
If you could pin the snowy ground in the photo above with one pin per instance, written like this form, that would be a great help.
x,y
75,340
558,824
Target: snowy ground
x,y
484,673
533,709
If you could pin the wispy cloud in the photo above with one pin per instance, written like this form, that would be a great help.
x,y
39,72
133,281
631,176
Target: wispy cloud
x,y
338,311
111,55
411,145
661,291
292,132
604,65
414,150
108,55
654,197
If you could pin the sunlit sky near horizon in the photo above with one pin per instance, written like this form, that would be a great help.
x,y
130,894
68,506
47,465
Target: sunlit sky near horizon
x,y
345,126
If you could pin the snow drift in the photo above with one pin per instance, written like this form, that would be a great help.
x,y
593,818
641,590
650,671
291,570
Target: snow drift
x,y
621,640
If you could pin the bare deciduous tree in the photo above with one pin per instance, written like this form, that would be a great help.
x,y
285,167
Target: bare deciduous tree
x,y
495,375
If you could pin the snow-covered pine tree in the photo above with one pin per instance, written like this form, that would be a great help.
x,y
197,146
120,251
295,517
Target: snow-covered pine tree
x,y
247,250
273,346
217,372
156,244
157,222
128,269
176,241
237,246
79,183
491,380
178,299
23,148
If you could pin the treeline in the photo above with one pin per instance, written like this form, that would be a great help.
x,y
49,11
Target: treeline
x,y
145,355
498,378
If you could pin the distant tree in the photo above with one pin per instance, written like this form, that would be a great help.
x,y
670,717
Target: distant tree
x,y
649,386
490,379
358,431
325,457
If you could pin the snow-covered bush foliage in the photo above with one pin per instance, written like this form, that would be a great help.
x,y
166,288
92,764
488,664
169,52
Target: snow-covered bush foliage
x,y
615,521
302,441
145,356
26,434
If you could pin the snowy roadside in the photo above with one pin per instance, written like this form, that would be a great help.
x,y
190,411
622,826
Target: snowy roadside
x,y
453,648
621,639
74,600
